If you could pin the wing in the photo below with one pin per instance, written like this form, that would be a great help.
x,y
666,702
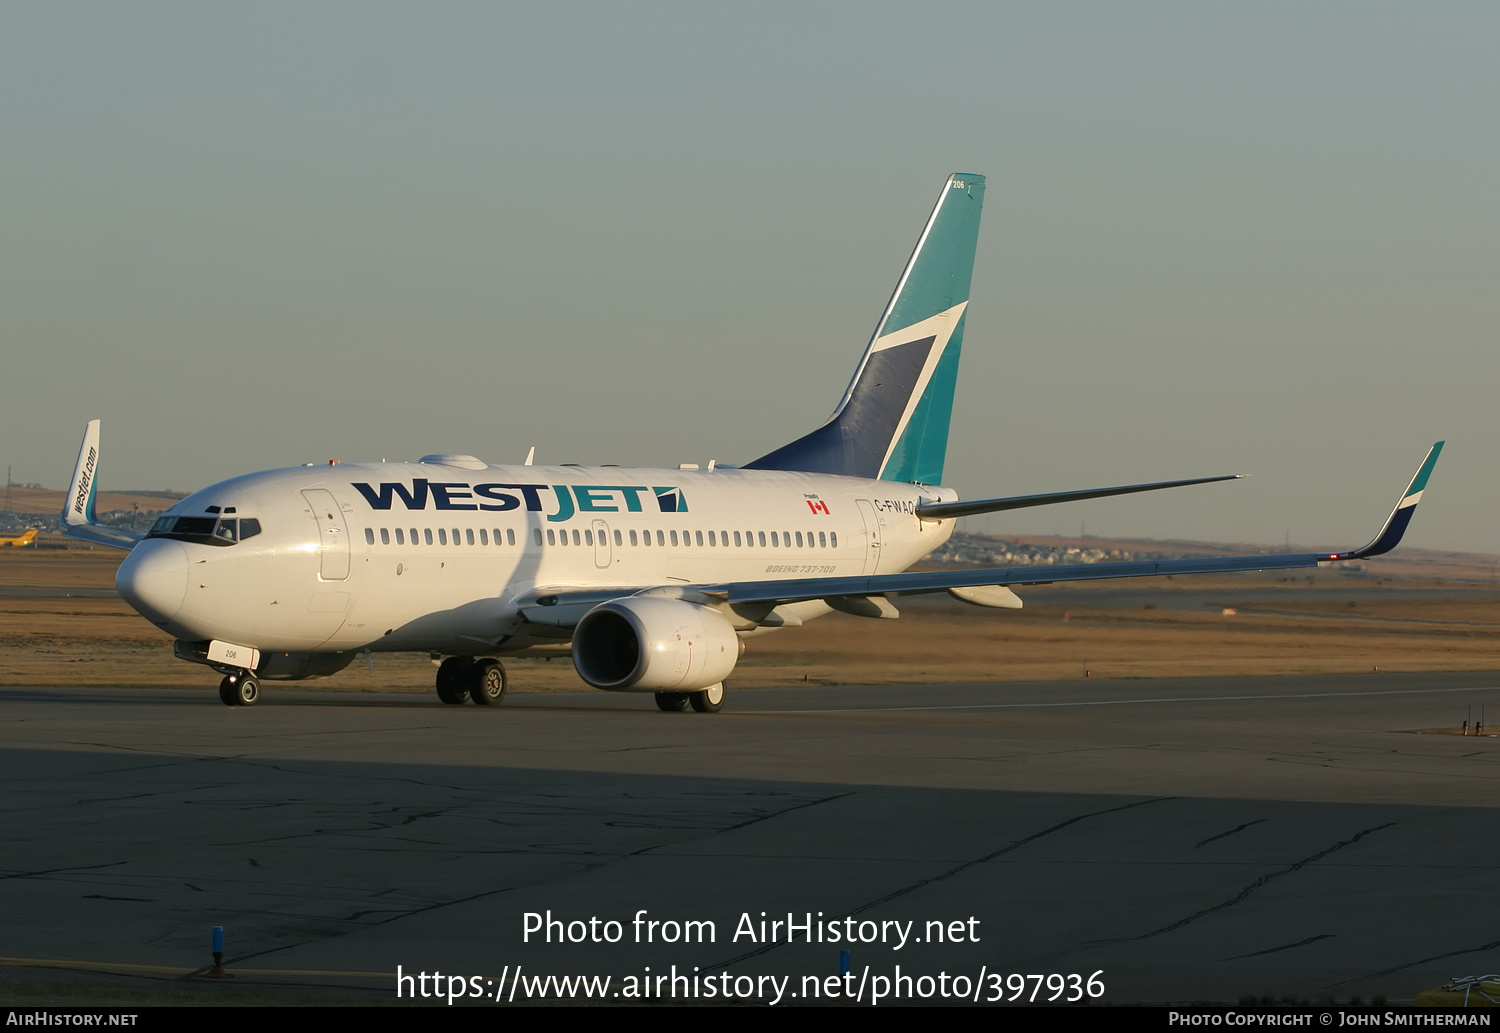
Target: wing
x,y
938,580
78,518
577,603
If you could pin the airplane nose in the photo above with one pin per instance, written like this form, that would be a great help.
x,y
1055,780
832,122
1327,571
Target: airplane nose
x,y
153,579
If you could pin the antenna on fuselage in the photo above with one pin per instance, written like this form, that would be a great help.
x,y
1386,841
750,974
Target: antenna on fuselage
x,y
530,456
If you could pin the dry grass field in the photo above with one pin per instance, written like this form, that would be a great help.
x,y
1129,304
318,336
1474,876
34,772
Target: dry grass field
x,y
58,640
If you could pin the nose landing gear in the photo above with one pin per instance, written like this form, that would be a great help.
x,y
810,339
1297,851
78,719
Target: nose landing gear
x,y
239,690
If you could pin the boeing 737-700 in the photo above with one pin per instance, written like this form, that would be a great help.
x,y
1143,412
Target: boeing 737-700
x,y
651,579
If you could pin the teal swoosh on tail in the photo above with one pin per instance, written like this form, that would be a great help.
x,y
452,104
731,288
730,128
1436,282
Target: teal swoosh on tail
x,y
893,420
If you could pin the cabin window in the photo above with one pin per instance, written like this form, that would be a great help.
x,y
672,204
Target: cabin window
x,y
621,541
456,539
469,536
442,536
674,537
632,538
588,537
833,539
510,536
799,539
538,535
385,536
699,536
369,536
575,537
661,539
822,540
775,542
484,537
400,538
426,535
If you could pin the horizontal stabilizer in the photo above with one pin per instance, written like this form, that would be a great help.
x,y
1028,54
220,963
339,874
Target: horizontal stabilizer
x,y
973,507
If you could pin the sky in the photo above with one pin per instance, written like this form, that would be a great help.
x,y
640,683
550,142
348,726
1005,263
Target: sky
x,y
1218,238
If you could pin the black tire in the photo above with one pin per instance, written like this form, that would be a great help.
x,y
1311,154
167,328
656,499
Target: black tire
x,y
710,700
227,694
487,682
672,702
245,688
453,679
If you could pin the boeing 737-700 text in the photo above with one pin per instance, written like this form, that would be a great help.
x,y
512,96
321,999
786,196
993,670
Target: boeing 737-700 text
x,y
651,579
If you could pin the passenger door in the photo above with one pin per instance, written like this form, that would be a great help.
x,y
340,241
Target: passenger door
x,y
333,534
603,551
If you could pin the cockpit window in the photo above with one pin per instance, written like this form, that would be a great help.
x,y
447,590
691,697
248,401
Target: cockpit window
x,y
205,530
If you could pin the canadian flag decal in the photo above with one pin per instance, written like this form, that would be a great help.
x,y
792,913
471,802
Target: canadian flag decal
x,y
818,507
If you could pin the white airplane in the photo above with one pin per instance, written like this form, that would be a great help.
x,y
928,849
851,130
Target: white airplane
x,y
651,579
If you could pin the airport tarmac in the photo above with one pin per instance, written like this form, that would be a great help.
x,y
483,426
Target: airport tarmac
x,y
1190,839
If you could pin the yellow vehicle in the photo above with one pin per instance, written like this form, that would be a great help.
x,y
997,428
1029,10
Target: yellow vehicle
x,y
17,541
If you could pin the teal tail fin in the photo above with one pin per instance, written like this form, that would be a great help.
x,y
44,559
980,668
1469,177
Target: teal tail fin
x,y
893,420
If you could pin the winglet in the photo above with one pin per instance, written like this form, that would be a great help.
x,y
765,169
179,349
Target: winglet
x,y
1395,525
78,505
78,517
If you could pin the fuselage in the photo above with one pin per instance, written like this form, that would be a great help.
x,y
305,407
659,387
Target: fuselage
x,y
446,555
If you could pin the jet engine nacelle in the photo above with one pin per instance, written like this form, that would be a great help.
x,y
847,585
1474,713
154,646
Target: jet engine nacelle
x,y
648,644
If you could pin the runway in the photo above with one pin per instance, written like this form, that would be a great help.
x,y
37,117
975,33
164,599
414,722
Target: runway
x,y
1194,839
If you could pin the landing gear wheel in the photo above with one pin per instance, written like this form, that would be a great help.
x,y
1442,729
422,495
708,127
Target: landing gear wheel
x,y
672,702
487,682
453,679
710,700
239,690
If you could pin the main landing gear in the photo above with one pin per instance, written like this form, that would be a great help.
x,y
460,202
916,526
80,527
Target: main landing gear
x,y
239,690
462,678
705,701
